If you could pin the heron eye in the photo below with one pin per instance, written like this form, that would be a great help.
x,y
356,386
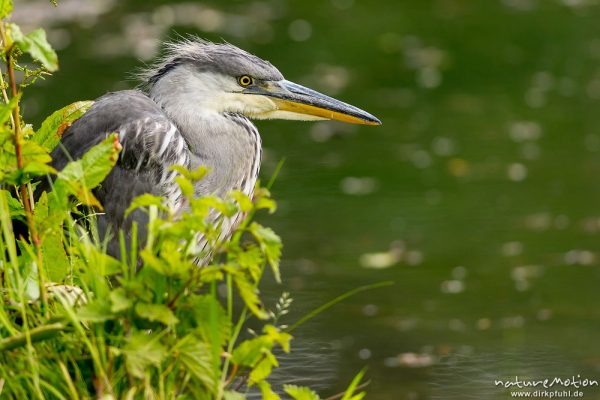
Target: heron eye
x,y
245,80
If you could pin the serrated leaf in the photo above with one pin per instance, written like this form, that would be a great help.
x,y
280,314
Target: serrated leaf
x,y
270,243
250,296
242,199
261,370
156,312
267,392
249,352
6,7
281,338
53,127
251,259
35,168
265,203
7,108
95,164
36,45
15,207
143,351
197,358
35,160
228,209
300,392
193,175
79,177
202,307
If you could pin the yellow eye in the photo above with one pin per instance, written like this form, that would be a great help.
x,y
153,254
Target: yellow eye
x,y
245,80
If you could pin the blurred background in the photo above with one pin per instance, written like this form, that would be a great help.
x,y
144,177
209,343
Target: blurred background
x,y
479,196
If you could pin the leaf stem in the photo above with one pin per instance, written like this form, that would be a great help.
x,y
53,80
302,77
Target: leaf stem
x,y
16,114
333,302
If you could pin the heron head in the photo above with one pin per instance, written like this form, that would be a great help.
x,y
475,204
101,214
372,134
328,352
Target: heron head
x,y
224,78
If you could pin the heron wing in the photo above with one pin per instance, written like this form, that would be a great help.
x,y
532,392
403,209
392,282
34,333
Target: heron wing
x,y
151,145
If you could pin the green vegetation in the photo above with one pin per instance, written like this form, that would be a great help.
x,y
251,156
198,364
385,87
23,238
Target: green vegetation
x,y
78,323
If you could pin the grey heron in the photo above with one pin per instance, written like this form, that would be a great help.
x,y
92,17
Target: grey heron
x,y
194,108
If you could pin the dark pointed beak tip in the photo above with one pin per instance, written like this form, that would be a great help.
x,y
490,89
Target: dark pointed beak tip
x,y
301,100
372,120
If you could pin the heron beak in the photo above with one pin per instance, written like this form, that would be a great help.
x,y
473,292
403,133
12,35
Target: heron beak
x,y
291,97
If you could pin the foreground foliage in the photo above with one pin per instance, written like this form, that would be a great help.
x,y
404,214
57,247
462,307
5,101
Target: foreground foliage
x,y
78,323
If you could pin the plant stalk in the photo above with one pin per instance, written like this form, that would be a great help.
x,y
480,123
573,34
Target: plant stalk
x,y
16,114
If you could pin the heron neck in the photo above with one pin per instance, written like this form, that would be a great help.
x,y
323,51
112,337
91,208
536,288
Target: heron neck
x,y
228,144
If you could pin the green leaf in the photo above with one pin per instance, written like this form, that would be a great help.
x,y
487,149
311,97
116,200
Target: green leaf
x,y
15,207
262,369
267,392
54,126
31,284
194,175
98,262
96,311
226,208
35,160
202,307
265,203
281,338
251,258
186,186
95,164
7,108
249,352
143,351
231,395
6,7
79,177
250,296
146,200
270,244
57,261
36,45
349,394
32,335
156,312
300,392
119,300
48,221
197,358
243,200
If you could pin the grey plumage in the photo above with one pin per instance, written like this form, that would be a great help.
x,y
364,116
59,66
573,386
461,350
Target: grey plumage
x,y
221,58
193,109
150,142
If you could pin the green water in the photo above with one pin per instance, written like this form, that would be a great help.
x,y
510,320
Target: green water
x,y
481,190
